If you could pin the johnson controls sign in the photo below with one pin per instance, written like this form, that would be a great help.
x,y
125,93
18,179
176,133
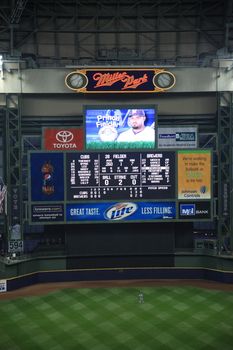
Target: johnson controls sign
x,y
63,139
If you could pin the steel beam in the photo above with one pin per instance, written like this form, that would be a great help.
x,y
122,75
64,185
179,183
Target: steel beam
x,y
225,180
13,168
149,27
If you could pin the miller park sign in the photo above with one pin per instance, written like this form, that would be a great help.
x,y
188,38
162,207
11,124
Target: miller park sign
x,y
120,80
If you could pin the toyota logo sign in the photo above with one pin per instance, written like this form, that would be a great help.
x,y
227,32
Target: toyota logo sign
x,y
70,138
64,136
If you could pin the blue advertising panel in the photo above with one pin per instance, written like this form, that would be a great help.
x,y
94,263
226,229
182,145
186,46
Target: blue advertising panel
x,y
120,211
195,210
47,176
115,128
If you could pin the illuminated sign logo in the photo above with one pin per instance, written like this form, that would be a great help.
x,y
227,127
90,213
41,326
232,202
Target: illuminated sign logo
x,y
120,80
187,209
120,211
129,81
197,210
64,136
68,139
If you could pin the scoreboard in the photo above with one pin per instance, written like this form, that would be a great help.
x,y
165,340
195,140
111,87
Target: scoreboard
x,y
106,186
120,175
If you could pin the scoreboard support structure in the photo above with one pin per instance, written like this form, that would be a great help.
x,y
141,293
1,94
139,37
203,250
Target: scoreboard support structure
x,y
225,172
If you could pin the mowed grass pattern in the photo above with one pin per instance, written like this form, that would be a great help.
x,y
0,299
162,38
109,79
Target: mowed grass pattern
x,y
97,145
112,318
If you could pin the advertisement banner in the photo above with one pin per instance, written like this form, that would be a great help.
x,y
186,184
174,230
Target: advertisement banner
x,y
177,137
47,213
194,174
47,176
120,211
65,139
3,286
195,210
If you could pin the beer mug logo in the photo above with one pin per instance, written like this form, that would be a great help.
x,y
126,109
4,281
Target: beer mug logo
x,y
47,175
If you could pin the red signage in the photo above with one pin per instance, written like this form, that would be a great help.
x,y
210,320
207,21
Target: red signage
x,y
67,139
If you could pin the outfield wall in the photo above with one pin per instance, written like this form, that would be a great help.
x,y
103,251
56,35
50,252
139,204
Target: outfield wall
x,y
163,266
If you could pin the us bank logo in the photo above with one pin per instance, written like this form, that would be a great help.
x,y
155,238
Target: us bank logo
x,y
187,209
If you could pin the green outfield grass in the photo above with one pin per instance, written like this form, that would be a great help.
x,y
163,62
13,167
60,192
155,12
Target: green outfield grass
x,y
98,145
112,318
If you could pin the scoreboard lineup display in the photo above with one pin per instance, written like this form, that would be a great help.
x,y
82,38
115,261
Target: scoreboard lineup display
x,y
120,176
120,186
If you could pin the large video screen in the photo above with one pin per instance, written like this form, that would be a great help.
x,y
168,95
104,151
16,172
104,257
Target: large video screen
x,y
117,127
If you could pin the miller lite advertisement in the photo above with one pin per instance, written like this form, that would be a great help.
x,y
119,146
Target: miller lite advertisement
x,y
121,211
65,139
117,127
